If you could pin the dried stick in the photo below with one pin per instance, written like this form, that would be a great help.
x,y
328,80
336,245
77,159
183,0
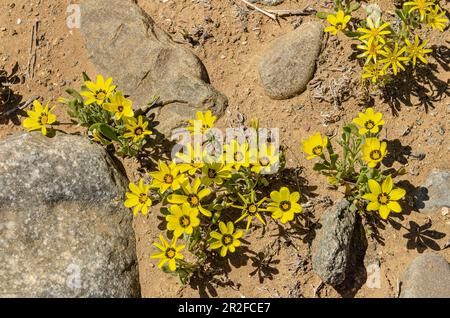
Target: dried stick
x,y
287,13
270,15
21,106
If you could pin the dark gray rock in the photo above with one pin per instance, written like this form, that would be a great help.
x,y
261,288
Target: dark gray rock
x,y
435,192
428,276
125,43
330,249
64,231
289,64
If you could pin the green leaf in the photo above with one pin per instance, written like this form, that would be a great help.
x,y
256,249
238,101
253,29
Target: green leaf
x,y
164,211
334,157
74,94
322,14
108,131
355,6
215,217
320,167
351,34
86,77
264,181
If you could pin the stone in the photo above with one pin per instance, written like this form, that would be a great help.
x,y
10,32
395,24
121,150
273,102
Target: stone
x,y
428,276
267,2
434,194
290,62
144,61
330,248
64,231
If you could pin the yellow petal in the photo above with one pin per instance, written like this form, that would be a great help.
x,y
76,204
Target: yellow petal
x,y
386,187
374,187
397,194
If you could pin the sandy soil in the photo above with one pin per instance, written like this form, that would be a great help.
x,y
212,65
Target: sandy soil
x,y
276,263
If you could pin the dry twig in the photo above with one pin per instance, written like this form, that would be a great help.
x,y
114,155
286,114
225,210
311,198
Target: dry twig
x,y
270,15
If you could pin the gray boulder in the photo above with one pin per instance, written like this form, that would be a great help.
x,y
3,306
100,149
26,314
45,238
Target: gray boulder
x,y
289,64
125,43
435,192
64,231
330,249
428,276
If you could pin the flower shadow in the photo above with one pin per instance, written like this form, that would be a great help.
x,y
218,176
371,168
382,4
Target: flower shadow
x,y
10,101
422,237
420,83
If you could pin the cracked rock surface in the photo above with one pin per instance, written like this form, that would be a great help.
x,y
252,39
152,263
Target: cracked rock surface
x,y
64,231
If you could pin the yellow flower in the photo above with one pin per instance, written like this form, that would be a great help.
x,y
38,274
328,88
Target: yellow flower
x,y
284,205
39,118
384,198
167,176
373,71
420,5
267,160
250,209
436,19
227,239
237,154
137,129
119,105
138,198
204,122
374,151
338,22
99,91
369,122
375,31
315,145
169,253
182,219
215,172
416,50
192,195
191,159
394,58
371,50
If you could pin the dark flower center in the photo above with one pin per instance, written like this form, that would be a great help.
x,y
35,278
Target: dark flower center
x,y
383,198
120,109
227,239
100,95
138,131
375,154
238,156
170,253
318,150
143,198
212,173
44,119
193,200
168,179
285,206
185,221
252,209
369,124
264,161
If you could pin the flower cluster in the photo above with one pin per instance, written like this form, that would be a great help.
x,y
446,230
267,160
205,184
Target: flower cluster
x,y
209,197
357,168
109,116
385,49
